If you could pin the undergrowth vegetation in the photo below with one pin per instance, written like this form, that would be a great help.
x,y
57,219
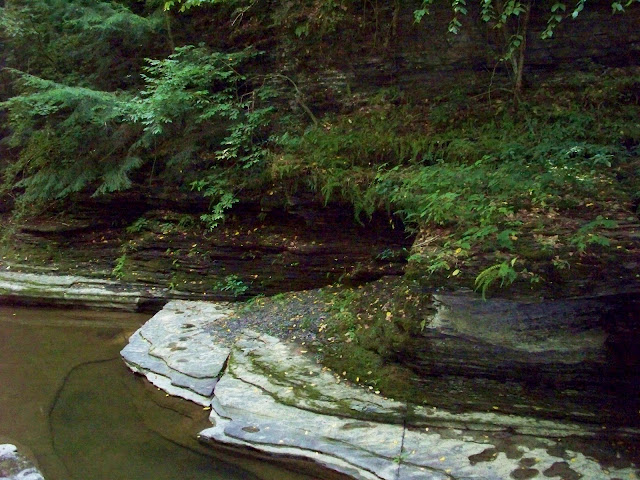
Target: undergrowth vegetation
x,y
482,190
370,329
490,182
490,187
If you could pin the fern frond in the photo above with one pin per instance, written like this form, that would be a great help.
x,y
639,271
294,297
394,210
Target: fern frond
x,y
486,278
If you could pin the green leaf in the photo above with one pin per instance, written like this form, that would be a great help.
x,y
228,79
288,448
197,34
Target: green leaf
x,y
504,238
419,14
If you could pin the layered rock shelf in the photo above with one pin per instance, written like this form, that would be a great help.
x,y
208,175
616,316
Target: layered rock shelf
x,y
77,291
261,249
572,358
272,398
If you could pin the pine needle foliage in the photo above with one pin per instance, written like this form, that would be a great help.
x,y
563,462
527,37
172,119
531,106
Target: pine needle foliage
x,y
197,113
190,88
82,42
68,138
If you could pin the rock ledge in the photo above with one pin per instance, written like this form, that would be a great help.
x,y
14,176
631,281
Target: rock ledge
x,y
272,398
76,291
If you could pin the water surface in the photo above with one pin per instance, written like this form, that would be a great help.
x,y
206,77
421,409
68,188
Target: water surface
x,y
67,398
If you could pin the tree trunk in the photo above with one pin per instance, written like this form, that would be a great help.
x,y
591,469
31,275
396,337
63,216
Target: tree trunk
x,y
167,21
517,88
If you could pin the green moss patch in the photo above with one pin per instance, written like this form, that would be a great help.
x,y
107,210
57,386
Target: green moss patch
x,y
369,329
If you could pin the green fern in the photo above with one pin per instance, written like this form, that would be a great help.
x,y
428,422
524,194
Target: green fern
x,y
503,271
120,266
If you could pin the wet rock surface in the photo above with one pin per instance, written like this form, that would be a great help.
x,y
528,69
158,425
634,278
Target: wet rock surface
x,y
177,351
273,398
15,466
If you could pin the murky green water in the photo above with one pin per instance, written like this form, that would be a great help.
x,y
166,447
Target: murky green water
x,y
67,398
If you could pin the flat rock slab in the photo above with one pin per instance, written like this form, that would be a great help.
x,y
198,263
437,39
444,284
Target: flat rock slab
x,y
273,398
15,466
276,399
178,351
74,290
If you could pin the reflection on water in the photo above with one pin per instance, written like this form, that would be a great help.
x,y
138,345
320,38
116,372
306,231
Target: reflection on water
x,y
66,396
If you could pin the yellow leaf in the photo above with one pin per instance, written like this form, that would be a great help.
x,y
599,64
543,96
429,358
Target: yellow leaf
x,y
455,272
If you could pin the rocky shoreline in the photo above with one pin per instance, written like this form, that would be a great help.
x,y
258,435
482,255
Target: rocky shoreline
x,y
271,398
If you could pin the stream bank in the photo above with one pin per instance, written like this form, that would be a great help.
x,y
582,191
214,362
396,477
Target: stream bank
x,y
561,370
273,398
257,366
76,412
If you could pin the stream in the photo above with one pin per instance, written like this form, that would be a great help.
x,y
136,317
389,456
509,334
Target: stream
x,y
68,401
